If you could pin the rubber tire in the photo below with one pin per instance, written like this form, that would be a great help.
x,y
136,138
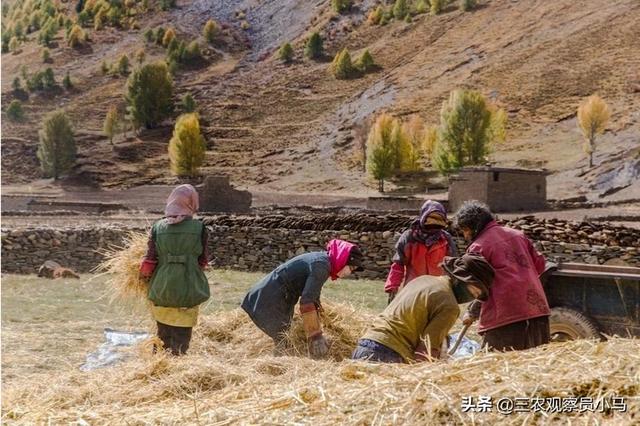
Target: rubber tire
x,y
570,324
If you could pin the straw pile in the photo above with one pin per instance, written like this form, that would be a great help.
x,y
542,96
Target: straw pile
x,y
229,377
122,263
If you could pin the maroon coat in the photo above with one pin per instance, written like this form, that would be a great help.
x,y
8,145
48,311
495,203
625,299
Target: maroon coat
x,y
516,293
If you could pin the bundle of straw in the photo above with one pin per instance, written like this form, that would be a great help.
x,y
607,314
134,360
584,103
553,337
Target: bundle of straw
x,y
123,263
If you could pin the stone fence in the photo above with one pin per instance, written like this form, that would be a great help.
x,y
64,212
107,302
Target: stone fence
x,y
260,248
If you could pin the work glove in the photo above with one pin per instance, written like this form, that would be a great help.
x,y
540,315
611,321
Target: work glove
x,y
392,295
318,347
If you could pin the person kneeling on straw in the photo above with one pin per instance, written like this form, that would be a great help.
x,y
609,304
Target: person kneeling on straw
x,y
176,256
270,303
415,324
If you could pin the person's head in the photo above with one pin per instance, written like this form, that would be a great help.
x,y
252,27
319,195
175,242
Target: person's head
x,y
183,202
433,215
472,218
472,276
345,258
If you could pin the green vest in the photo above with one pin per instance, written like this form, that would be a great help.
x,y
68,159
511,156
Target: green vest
x,y
178,281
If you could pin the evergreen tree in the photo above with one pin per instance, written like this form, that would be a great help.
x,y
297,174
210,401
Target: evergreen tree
x,y
66,81
188,103
187,146
48,79
314,49
57,149
149,93
365,62
210,30
123,65
341,66
467,5
400,9
15,111
285,53
341,6
465,132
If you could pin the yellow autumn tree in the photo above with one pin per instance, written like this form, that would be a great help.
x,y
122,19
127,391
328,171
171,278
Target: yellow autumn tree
x,y
593,116
187,146
430,141
413,155
380,150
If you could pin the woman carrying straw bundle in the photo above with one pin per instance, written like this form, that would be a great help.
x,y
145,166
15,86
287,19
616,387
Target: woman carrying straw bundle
x,y
421,248
175,259
270,303
516,314
415,325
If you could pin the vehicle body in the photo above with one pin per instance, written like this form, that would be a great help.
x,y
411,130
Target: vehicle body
x,y
592,301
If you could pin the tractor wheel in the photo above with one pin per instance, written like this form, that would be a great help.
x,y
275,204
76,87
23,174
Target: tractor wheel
x,y
568,324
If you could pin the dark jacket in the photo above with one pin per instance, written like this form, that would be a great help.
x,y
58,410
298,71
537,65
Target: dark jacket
x,y
271,301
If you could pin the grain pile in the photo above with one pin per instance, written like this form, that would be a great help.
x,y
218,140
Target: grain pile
x,y
230,377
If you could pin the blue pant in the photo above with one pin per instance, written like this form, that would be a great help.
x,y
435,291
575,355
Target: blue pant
x,y
370,350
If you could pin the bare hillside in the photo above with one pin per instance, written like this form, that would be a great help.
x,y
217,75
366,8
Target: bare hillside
x,y
295,128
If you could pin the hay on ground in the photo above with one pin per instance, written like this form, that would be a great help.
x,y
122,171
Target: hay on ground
x,y
230,377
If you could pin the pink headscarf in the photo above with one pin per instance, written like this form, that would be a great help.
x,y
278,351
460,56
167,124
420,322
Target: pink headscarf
x,y
338,251
183,202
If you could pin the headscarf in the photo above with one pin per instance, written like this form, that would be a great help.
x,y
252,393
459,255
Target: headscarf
x,y
183,202
342,253
429,226
470,268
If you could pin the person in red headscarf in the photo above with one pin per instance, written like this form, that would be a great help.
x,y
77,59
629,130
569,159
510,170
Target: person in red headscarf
x,y
270,303
174,262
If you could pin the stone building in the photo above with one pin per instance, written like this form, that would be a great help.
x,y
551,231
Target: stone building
x,y
217,195
502,189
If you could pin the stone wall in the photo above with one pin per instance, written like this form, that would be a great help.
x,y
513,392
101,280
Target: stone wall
x,y
236,245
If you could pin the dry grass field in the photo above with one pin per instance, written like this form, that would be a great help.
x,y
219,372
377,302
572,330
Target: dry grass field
x,y
231,377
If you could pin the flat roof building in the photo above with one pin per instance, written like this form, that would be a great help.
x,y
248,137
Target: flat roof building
x,y
502,189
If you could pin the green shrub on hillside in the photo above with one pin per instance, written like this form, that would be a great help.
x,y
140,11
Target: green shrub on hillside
x,y
46,55
210,30
140,56
365,62
188,103
159,35
167,4
76,36
285,53
123,65
66,81
148,35
192,52
422,6
467,5
313,48
341,66
15,111
57,148
341,6
149,93
400,9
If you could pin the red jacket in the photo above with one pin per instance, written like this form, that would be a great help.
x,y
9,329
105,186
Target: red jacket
x,y
516,293
414,259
